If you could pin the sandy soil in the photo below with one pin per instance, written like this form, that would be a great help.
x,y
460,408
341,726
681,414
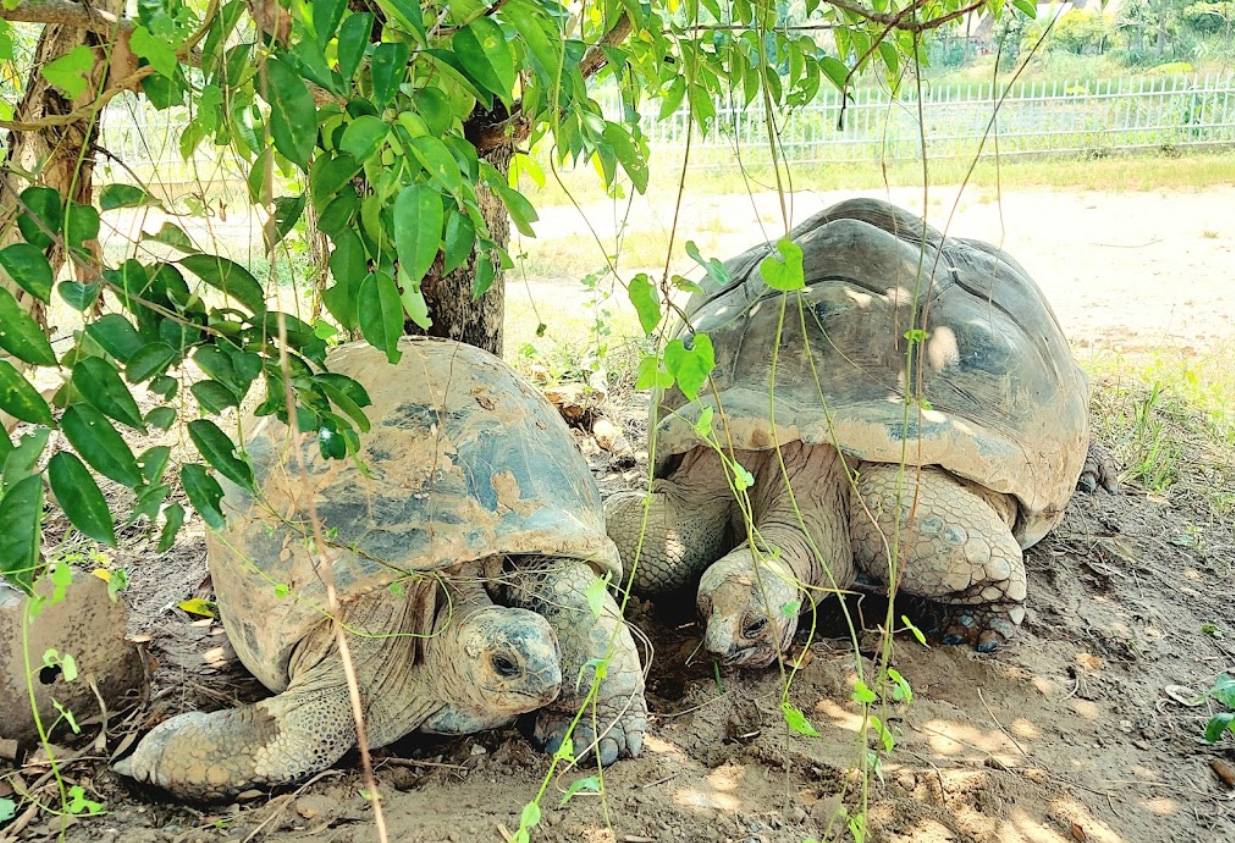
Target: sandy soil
x,y
1127,271
1076,732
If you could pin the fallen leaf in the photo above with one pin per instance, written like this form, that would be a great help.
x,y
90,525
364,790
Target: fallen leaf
x,y
1183,695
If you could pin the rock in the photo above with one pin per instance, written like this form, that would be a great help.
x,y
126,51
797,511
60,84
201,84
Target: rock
x,y
610,437
86,625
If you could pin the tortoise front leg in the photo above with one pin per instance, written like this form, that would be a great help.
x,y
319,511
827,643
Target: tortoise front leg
x,y
557,589
687,518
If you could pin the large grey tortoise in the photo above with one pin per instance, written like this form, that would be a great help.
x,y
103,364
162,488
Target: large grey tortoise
x,y
995,436
468,486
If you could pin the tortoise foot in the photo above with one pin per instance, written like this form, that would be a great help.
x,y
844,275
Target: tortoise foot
x,y
620,731
986,628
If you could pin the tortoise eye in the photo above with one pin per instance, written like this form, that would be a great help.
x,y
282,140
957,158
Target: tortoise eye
x,y
505,667
754,627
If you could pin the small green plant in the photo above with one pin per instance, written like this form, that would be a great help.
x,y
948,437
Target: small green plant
x,y
1224,692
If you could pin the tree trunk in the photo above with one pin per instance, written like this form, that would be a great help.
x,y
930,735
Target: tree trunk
x,y
53,156
455,314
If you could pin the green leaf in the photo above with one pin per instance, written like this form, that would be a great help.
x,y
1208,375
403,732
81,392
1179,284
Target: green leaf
x,y
160,52
29,267
644,297
229,277
345,403
100,384
153,462
862,693
173,520
525,17
41,215
98,443
485,275
217,449
80,498
901,691
23,460
438,162
407,14
326,17
652,374
68,72
1224,690
80,297
1213,730
628,155
785,272
673,97
353,39
363,136
21,529
475,57
161,417
381,314
124,196
293,116
204,493
460,239
742,478
20,335
21,400
917,633
1028,8
595,594
170,234
116,335
418,218
8,810
885,737
213,396
389,67
81,223
148,361
287,212
414,304
531,816
797,721
703,424
164,385
521,210
690,368
591,783
837,71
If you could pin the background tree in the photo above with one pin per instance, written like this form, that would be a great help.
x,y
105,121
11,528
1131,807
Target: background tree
x,y
403,125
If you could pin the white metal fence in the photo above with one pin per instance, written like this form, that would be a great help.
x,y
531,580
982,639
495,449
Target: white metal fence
x,y
1051,117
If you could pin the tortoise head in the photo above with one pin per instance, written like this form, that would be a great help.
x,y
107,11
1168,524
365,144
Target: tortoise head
x,y
506,662
750,620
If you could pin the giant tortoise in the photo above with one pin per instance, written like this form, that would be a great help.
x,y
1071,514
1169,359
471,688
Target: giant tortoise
x,y
467,486
905,348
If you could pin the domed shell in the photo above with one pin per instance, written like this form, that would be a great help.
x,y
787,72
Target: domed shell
x,y
1005,403
463,460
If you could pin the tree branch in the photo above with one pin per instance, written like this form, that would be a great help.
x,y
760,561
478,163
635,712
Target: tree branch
x,y
903,19
67,13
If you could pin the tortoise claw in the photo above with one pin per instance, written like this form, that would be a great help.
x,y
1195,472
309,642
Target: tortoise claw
x,y
620,735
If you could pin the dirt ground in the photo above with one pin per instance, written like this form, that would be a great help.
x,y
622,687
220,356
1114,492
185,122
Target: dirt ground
x,y
1083,729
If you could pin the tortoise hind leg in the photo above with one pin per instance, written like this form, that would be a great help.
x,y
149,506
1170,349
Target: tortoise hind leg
x,y
955,548
302,730
204,756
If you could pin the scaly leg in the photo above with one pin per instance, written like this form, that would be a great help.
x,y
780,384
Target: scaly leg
x,y
955,547
305,729
686,520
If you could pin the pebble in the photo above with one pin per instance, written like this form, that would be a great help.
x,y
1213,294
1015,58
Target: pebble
x,y
907,780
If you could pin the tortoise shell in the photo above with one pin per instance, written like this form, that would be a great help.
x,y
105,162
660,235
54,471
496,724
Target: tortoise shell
x,y
463,460
997,397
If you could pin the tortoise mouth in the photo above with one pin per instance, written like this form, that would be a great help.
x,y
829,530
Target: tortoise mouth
x,y
749,656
